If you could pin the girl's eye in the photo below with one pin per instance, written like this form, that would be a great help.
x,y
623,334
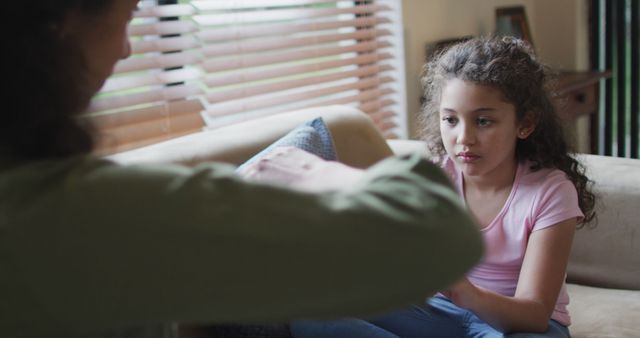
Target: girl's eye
x,y
483,122
450,120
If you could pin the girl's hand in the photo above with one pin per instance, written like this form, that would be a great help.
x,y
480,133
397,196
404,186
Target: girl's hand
x,y
463,294
298,169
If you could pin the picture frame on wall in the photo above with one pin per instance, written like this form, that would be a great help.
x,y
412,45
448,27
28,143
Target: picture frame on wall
x,y
512,21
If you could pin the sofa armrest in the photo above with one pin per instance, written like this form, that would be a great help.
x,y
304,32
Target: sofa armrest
x,y
358,142
406,147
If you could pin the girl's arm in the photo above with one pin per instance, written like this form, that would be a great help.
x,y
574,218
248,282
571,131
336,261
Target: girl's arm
x,y
541,277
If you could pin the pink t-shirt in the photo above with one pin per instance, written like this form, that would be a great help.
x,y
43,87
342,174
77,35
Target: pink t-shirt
x,y
538,199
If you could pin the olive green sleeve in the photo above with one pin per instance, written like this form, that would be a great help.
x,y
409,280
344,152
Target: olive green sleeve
x,y
109,246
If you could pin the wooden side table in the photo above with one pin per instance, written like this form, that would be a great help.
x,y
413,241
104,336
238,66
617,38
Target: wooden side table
x,y
577,93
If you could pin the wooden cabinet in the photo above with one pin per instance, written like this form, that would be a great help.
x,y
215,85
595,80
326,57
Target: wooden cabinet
x,y
577,93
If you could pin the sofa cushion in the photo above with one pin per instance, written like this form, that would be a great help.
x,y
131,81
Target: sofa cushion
x,y
601,313
405,147
312,136
607,255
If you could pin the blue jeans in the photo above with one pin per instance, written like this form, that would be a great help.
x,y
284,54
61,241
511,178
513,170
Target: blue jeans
x,y
438,318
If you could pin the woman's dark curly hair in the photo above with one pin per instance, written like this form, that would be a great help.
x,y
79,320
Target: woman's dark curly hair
x,y
47,87
509,65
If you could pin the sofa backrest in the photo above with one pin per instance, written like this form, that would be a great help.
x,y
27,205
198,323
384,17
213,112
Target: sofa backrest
x,y
358,142
607,254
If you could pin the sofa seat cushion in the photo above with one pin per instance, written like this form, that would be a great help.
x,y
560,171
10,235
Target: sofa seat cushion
x,y
601,313
313,136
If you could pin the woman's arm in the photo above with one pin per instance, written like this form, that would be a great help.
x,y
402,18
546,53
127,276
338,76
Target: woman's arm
x,y
541,277
298,169
102,245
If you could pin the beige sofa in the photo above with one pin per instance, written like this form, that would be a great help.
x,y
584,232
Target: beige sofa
x,y
604,269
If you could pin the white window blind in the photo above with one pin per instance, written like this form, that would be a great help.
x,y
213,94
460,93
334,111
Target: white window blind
x,y
207,63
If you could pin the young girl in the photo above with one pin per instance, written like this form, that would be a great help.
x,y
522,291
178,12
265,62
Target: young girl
x,y
490,120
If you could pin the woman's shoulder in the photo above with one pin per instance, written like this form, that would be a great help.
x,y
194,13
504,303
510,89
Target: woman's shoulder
x,y
48,189
71,166
91,172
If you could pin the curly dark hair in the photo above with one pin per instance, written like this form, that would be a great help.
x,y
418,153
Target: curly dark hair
x,y
509,65
47,88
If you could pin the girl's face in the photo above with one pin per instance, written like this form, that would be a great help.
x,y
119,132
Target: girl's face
x,y
102,38
479,129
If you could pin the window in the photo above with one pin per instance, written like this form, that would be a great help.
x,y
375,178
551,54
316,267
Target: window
x,y
202,64
614,46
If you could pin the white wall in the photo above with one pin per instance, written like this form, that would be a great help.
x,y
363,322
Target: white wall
x,y
559,31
